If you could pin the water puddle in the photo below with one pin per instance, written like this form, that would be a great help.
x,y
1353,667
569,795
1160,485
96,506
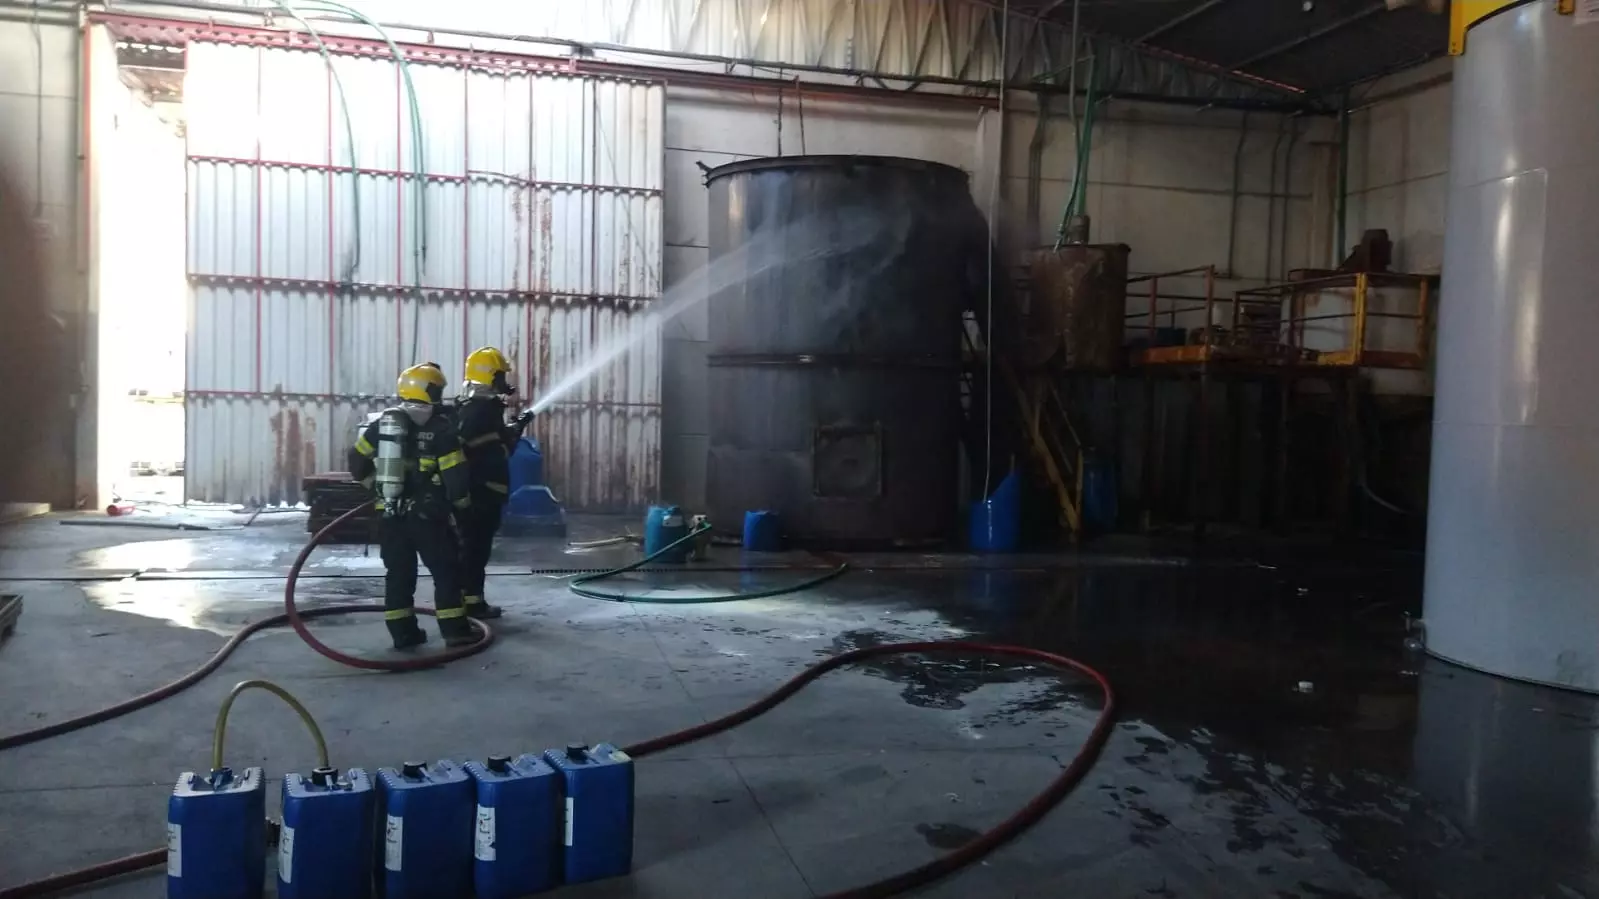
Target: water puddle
x,y
224,607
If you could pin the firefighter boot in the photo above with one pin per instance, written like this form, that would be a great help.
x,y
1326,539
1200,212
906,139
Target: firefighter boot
x,y
405,632
455,628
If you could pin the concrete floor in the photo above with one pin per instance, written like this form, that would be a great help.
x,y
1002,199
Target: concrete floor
x,y
1386,776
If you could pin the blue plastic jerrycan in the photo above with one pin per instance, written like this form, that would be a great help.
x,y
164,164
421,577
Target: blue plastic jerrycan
x,y
663,526
325,849
598,833
426,831
763,531
216,835
1100,495
517,842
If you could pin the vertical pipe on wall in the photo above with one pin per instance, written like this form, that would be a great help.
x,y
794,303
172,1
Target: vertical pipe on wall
x,y
1271,198
1343,182
535,359
84,440
1238,183
331,448
1288,200
1035,163
80,143
993,218
466,212
1086,147
399,242
260,208
1071,86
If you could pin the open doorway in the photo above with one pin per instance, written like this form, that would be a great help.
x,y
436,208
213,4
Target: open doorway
x,y
140,287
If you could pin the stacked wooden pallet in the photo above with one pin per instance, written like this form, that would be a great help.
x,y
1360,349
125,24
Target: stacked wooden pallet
x,y
331,494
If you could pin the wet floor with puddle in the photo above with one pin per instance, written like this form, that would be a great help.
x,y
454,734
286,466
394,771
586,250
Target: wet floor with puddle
x,y
1275,737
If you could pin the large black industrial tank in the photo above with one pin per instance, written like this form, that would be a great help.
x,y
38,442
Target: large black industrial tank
x,y
835,344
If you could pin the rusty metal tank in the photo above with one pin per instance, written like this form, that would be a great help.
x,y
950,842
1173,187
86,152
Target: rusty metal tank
x,y
1077,307
835,344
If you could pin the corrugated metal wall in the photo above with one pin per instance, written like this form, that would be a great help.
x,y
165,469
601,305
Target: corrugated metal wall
x,y
312,286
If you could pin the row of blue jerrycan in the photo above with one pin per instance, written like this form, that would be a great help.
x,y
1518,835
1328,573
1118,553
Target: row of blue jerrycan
x,y
665,526
497,829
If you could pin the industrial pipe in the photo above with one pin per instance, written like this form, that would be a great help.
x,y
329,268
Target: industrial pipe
x,y
1339,248
1288,199
1238,189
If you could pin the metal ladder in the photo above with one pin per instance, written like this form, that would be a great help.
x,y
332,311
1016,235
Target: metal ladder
x,y
1035,405
1054,442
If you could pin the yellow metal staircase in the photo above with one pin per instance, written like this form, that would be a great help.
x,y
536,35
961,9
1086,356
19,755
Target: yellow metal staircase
x,y
1053,442
1031,403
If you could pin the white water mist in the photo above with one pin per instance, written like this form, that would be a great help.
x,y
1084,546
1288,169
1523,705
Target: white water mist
x,y
793,243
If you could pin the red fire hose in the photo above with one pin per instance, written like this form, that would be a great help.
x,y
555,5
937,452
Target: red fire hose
x,y
985,843
291,616
297,620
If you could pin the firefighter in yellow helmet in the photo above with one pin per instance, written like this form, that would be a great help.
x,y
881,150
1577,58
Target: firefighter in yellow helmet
x,y
412,456
488,440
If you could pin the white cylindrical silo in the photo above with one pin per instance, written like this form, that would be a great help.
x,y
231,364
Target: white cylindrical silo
x,y
1513,525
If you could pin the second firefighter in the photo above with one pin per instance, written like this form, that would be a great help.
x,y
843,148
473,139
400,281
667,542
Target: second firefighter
x,y
488,441
412,456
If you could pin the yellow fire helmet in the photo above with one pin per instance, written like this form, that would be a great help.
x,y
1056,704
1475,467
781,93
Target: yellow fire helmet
x,y
422,384
487,367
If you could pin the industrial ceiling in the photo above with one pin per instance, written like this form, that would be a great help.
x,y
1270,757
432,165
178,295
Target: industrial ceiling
x,y
1275,55
1316,46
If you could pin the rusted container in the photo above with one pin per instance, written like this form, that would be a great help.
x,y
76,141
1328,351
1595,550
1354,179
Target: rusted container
x,y
1077,310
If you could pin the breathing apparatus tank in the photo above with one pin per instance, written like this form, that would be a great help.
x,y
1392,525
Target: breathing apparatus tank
x,y
393,427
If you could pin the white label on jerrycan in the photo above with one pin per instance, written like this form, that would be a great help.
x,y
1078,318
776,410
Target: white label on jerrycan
x,y
570,811
483,846
393,840
174,850
286,854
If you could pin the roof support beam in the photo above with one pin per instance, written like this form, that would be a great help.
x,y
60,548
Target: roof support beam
x,y
1192,13
1316,35
1105,44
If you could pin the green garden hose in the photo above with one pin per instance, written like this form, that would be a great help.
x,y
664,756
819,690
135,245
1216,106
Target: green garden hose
x,y
580,585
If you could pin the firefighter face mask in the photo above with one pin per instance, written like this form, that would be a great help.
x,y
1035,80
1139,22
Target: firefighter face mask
x,y
419,412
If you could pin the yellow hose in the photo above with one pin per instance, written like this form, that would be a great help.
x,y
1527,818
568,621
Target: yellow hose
x,y
220,733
